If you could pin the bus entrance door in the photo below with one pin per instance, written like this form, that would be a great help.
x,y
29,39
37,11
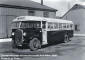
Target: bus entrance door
x,y
44,32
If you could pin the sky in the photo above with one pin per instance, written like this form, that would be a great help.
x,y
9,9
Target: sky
x,y
61,5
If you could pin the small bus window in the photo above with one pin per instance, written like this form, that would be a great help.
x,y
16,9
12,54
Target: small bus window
x,y
51,25
44,24
71,26
64,25
67,25
48,26
55,25
60,25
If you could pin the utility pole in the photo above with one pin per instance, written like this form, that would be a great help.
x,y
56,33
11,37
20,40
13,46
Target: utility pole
x,y
41,2
68,4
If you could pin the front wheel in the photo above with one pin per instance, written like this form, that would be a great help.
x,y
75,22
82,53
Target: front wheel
x,y
34,44
66,38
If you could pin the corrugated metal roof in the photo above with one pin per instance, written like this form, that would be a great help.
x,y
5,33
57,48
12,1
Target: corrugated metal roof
x,y
75,7
78,6
26,3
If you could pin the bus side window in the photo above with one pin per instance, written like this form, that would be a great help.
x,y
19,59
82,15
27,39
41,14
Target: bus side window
x,y
55,25
44,24
49,25
60,25
67,25
64,25
71,26
52,26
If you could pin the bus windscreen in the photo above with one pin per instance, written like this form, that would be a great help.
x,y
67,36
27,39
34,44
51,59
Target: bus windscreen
x,y
30,24
15,24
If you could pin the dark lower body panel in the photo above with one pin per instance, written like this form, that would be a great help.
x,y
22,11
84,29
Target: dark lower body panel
x,y
57,36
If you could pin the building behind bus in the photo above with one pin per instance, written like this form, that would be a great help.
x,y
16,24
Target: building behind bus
x,y
10,9
77,15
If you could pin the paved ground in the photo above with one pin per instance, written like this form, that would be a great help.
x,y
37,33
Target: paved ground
x,y
73,50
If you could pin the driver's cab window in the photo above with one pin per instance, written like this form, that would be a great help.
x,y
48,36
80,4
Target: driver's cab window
x,y
43,24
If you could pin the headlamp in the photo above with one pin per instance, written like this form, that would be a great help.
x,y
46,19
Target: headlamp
x,y
24,34
12,33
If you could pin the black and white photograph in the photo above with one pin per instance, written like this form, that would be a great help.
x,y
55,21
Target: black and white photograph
x,y
42,29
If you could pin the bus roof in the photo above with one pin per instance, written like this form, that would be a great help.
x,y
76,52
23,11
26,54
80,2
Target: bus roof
x,y
34,18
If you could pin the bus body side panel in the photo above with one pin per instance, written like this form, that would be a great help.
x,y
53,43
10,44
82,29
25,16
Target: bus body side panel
x,y
55,36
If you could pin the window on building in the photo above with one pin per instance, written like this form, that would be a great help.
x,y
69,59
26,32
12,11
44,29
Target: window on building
x,y
77,27
46,14
31,13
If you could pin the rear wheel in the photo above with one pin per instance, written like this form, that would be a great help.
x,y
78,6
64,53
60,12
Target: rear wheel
x,y
66,38
34,44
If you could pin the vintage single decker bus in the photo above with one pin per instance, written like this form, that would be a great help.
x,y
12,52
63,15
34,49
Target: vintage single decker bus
x,y
36,31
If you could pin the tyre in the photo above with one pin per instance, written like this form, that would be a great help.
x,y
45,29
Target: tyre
x,y
66,38
34,44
